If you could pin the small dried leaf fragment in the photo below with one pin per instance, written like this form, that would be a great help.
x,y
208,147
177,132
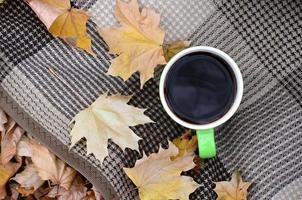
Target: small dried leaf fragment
x,y
158,177
23,147
76,191
14,193
98,195
89,196
109,117
51,168
42,191
235,189
9,141
138,41
25,191
28,179
6,172
47,166
64,21
172,49
3,120
186,144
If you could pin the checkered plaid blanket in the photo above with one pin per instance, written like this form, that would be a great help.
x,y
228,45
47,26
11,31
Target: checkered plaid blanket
x,y
263,140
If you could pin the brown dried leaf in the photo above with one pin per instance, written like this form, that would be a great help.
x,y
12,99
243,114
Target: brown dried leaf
x,y
98,195
186,144
9,141
199,164
25,191
14,193
51,168
76,191
6,172
89,196
42,191
29,178
3,120
23,147
47,165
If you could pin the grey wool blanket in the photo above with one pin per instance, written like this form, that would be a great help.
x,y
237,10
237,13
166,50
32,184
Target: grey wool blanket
x,y
263,140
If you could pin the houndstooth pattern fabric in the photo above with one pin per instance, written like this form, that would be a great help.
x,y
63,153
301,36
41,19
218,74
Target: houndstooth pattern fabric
x,y
263,140
292,190
180,18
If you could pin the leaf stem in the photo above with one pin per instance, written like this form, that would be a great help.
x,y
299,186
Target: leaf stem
x,y
52,71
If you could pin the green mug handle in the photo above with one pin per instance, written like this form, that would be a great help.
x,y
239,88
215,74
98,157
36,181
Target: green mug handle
x,y
206,143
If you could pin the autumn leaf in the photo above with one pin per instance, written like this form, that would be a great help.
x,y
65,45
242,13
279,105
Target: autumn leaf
x,y
157,177
97,194
89,196
138,41
3,120
29,180
6,172
186,144
23,147
9,141
93,195
42,191
171,50
63,21
51,168
235,189
109,117
76,191
13,190
47,165
25,191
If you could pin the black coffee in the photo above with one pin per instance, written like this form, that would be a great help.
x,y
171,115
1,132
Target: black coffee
x,y
200,88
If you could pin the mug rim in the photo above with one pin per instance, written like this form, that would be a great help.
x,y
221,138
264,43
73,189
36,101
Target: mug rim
x,y
239,92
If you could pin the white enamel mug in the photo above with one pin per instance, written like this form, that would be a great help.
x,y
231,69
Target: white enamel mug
x,y
205,132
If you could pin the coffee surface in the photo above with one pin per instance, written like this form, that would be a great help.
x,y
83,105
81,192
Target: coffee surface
x,y
200,88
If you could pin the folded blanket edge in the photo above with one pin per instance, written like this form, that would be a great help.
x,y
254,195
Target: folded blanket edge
x,y
98,180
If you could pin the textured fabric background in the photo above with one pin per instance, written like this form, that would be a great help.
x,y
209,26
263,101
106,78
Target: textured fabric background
x,y
263,140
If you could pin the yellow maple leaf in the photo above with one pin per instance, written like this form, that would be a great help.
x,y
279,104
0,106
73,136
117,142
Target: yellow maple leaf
x,y
186,144
174,48
235,189
109,117
158,177
64,21
138,41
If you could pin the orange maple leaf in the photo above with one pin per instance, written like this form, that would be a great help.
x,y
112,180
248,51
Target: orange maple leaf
x,y
63,21
138,41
